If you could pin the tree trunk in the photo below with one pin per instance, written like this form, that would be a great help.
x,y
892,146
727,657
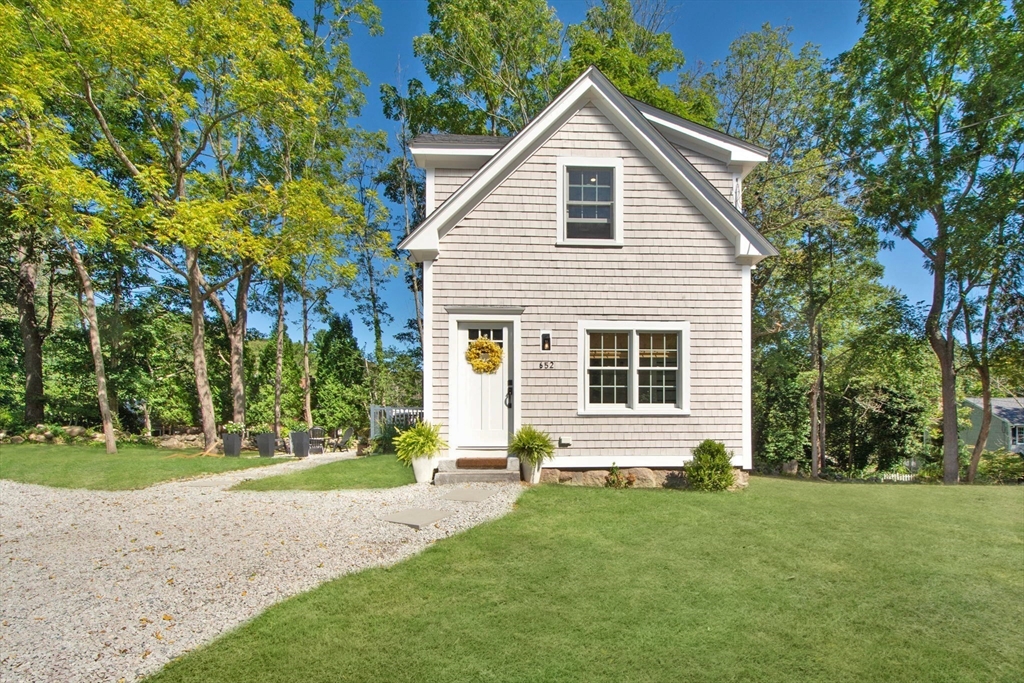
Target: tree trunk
x,y
93,328
197,304
821,398
307,393
279,370
147,422
31,338
944,349
986,422
235,332
812,330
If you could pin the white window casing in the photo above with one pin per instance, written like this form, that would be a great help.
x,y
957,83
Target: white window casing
x,y
561,193
634,328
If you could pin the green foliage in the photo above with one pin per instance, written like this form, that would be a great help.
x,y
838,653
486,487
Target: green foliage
x,y
531,445
289,425
384,442
492,57
1001,467
633,54
422,440
261,428
617,480
711,467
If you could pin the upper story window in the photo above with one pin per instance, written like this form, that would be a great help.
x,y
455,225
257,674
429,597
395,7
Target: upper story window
x,y
1017,435
588,208
590,201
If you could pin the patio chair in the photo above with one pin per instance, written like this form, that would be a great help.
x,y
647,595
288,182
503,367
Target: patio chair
x,y
316,441
342,443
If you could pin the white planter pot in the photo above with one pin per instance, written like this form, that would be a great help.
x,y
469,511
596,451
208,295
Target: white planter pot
x,y
530,473
424,468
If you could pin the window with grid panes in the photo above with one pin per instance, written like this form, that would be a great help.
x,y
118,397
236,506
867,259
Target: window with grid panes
x,y
589,206
613,369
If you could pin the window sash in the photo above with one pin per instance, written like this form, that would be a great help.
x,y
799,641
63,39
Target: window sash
x,y
577,196
652,376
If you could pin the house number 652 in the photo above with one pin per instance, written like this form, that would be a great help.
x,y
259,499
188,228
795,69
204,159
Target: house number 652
x,y
546,365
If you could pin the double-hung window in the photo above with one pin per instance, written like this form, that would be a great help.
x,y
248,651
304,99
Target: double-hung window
x,y
1017,435
634,367
589,201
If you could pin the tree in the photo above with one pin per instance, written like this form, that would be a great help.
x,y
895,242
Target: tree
x,y
625,41
493,56
341,393
924,101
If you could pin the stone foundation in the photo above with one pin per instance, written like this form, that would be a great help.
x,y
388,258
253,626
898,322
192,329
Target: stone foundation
x,y
643,478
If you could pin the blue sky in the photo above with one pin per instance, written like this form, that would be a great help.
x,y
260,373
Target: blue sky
x,y
702,29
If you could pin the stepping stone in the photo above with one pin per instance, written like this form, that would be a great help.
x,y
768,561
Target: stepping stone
x,y
417,518
468,495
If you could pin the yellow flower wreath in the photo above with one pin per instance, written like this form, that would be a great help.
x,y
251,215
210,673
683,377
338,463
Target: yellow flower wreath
x,y
484,356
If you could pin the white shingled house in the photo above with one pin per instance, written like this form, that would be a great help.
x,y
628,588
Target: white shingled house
x,y
604,249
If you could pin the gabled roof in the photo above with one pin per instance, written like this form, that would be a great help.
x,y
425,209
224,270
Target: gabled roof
x,y
1009,409
593,88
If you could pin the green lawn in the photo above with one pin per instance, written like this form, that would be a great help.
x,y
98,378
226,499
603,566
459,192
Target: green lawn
x,y
787,581
374,472
89,467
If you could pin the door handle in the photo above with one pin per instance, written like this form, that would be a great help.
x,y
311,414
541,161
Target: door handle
x,y
508,395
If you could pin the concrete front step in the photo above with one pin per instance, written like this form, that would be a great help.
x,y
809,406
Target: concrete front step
x,y
475,477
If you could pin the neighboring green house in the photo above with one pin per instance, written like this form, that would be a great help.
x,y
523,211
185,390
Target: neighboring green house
x,y
1007,430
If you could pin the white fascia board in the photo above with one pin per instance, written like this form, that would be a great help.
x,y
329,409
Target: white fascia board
x,y
436,157
714,147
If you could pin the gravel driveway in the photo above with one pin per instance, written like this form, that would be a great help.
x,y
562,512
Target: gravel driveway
x,y
109,586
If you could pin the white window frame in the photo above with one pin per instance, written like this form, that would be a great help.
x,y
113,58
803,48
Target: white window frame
x,y
1016,435
614,163
634,328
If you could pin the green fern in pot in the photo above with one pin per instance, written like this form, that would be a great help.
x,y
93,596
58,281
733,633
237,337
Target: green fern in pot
x,y
417,446
532,447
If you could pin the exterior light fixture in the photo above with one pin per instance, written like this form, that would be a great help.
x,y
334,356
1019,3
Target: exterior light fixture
x,y
545,341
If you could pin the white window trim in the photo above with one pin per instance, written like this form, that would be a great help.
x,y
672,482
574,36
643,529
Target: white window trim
x,y
1020,431
617,226
634,327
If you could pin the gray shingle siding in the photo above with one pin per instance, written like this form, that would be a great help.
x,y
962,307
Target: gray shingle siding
x,y
674,265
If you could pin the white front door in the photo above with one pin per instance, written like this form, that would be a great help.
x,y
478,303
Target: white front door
x,y
484,399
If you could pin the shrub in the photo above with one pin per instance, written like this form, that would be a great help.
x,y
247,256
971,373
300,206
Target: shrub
x,y
288,426
261,428
617,480
711,467
422,440
234,427
531,445
1001,467
384,442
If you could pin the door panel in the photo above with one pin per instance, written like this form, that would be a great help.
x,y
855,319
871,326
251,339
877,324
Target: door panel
x,y
484,418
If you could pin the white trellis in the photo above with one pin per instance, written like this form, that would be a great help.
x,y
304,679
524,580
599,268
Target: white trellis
x,y
401,417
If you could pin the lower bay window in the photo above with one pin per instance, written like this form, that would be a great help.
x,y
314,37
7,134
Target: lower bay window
x,y
634,367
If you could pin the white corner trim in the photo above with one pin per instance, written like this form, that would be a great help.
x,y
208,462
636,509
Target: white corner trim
x,y
428,191
428,341
453,360
747,455
597,162
634,327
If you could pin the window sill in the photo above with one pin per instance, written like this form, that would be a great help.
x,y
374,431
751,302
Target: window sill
x,y
589,243
638,412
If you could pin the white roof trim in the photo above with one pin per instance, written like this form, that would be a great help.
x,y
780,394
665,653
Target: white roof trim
x,y
594,88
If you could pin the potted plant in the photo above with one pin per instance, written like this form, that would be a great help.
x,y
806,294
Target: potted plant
x,y
265,439
233,438
299,434
418,446
532,447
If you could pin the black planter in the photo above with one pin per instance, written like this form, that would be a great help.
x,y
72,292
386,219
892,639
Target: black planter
x,y
300,444
266,444
232,445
